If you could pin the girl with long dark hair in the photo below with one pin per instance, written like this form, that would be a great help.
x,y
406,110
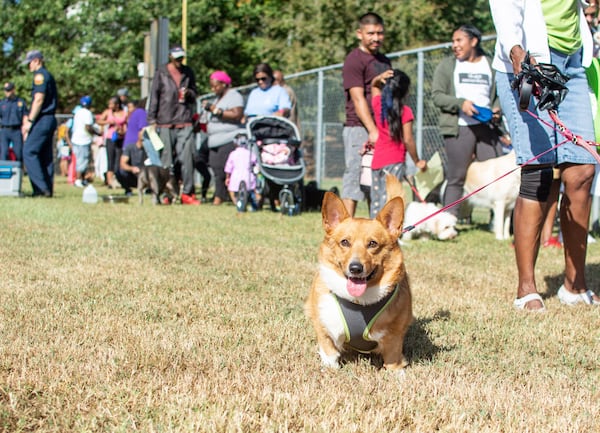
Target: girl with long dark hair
x,y
394,121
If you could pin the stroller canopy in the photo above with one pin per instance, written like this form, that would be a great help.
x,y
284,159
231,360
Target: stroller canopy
x,y
261,128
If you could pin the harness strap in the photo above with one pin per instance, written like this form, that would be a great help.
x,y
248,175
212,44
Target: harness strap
x,y
358,320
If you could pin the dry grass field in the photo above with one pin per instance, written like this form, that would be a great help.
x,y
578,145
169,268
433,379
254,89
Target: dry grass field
x,y
123,318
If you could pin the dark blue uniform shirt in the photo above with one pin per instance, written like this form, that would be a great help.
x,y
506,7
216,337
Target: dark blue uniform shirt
x,y
43,82
12,111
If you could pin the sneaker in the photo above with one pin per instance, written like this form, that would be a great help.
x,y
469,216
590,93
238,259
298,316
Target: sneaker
x,y
189,199
552,242
78,183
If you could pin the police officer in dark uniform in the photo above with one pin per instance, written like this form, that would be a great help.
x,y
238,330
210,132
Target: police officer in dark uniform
x,y
39,127
12,110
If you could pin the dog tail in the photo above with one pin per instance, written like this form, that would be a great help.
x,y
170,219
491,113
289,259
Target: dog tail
x,y
393,187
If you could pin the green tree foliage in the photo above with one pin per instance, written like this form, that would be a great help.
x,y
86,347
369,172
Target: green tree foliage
x,y
94,46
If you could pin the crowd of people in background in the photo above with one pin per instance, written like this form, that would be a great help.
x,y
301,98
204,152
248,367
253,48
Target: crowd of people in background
x,y
112,146
472,90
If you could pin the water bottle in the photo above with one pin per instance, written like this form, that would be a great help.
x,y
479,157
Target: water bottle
x,y
90,195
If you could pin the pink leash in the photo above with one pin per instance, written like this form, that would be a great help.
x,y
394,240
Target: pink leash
x,y
590,146
414,189
460,200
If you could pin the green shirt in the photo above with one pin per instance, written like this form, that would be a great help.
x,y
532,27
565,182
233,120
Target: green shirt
x,y
562,23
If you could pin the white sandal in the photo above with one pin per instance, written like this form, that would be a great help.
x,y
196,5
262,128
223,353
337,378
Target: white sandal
x,y
568,298
519,303
591,295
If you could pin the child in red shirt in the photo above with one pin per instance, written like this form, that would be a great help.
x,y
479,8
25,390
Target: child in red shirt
x,y
394,121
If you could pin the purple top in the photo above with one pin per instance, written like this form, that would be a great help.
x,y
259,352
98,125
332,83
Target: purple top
x,y
137,121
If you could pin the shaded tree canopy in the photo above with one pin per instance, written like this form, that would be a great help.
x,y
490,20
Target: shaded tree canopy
x,y
93,46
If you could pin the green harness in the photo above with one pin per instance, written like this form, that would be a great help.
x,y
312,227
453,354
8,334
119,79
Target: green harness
x,y
358,320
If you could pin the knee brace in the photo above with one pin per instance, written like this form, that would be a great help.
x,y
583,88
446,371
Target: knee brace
x,y
535,183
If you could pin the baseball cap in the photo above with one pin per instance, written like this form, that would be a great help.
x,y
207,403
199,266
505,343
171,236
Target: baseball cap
x,y
85,101
123,92
32,55
9,86
176,52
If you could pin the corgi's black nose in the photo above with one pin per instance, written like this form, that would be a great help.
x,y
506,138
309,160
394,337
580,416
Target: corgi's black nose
x,y
356,268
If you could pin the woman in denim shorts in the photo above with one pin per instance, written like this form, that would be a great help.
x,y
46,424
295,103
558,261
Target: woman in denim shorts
x,y
541,32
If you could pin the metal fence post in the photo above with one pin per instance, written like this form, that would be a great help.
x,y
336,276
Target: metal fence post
x,y
319,151
420,92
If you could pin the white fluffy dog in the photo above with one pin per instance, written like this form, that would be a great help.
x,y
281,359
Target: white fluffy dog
x,y
440,226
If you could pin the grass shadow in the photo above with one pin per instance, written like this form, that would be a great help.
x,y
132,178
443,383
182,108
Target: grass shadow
x,y
553,282
418,347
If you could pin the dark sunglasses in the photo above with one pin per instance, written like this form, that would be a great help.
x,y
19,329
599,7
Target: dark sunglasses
x,y
259,79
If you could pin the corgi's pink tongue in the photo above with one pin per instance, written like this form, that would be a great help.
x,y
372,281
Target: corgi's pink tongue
x,y
356,286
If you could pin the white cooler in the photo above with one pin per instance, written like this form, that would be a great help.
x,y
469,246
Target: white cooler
x,y
11,174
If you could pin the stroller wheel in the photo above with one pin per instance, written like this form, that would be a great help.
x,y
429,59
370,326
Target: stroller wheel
x,y
242,197
286,200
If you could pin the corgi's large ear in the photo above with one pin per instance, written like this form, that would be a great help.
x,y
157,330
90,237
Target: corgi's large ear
x,y
392,216
333,211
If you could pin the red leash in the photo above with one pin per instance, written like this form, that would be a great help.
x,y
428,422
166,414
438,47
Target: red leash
x,y
590,146
460,200
414,189
548,85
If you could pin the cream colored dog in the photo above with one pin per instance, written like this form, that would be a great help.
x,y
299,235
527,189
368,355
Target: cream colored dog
x,y
441,226
501,195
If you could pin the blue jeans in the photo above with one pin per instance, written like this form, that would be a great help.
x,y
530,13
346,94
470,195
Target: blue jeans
x,y
530,137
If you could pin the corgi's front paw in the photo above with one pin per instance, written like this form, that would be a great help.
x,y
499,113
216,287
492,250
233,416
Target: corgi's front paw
x,y
329,361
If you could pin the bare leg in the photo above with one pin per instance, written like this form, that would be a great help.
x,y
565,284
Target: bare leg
x,y
552,204
574,220
110,178
528,220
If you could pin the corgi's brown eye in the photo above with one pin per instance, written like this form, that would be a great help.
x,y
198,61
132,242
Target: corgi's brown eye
x,y
372,244
345,243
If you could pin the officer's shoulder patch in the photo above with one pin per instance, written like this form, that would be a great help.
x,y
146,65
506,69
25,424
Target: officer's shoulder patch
x,y
20,104
38,79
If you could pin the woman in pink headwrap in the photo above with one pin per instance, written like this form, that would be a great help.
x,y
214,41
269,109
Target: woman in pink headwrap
x,y
225,113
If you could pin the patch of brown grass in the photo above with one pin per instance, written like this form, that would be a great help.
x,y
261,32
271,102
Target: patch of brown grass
x,y
139,318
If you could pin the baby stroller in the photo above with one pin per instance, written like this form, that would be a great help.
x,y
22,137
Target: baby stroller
x,y
276,143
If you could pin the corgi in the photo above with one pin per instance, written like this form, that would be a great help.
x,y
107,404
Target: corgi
x,y
360,298
501,196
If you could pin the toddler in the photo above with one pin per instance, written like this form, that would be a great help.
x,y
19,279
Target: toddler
x,y
240,168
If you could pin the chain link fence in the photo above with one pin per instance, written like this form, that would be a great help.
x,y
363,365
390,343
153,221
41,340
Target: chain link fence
x,y
321,108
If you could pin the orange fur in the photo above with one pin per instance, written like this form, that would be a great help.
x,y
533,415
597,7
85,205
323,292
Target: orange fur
x,y
371,247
